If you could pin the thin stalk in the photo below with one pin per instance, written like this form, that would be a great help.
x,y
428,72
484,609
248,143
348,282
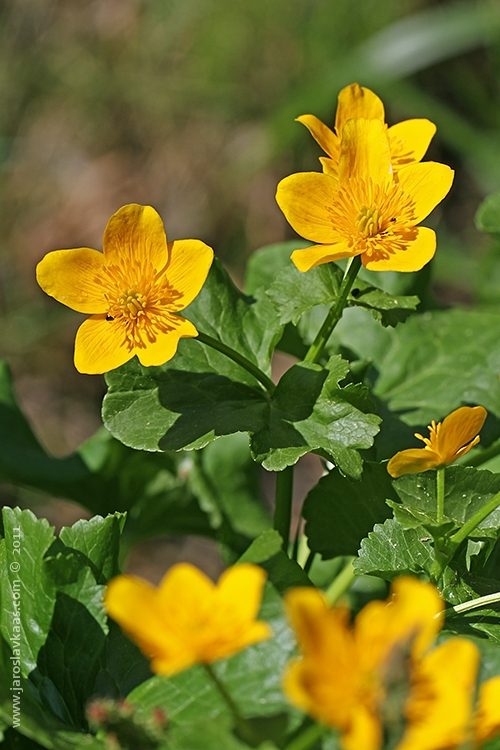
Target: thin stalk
x,y
476,519
239,359
340,584
440,494
283,507
477,603
308,738
244,727
335,312
309,562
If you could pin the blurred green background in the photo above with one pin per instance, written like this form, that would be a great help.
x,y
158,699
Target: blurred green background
x,y
189,105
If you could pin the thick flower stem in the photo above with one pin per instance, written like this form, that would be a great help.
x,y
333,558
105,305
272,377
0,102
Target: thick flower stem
x,y
239,359
440,494
308,738
283,507
243,726
335,312
476,519
341,583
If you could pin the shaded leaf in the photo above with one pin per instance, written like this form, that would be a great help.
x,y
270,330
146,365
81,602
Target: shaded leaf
x,y
340,511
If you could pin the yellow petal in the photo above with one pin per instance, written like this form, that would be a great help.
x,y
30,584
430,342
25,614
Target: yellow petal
x,y
305,198
322,134
187,269
164,348
135,235
185,594
410,618
459,428
416,253
413,461
426,184
308,612
365,731
310,257
126,596
357,101
101,346
487,720
409,141
329,166
242,585
440,704
73,277
364,153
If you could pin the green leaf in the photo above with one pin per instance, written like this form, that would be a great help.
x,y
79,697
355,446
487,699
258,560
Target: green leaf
x,y
265,264
227,483
99,541
339,511
433,364
190,408
247,324
293,293
467,490
103,475
310,411
488,214
267,552
27,595
390,551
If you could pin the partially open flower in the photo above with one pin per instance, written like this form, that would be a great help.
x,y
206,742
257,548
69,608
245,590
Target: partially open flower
x,y
132,290
447,441
188,619
408,140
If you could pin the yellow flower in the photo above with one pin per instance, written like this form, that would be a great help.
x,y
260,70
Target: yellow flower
x,y
447,441
346,675
132,290
408,140
188,619
368,210
340,678
440,711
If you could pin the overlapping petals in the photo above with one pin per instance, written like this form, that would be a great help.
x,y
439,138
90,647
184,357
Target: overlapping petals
x,y
408,140
455,436
347,675
133,290
366,209
339,680
188,619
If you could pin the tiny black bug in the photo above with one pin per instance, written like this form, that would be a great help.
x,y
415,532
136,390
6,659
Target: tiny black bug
x,y
109,317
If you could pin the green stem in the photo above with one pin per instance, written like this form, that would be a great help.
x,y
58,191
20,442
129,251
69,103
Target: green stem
x,y
440,494
482,456
340,584
476,519
308,738
309,562
239,359
283,507
335,312
243,726
476,603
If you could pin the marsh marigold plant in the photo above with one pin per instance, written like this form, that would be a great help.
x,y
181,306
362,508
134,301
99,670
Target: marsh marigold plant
x,y
133,290
379,678
408,140
368,210
188,619
455,436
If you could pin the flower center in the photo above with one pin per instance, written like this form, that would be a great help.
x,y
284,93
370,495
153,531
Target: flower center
x,y
132,304
369,221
